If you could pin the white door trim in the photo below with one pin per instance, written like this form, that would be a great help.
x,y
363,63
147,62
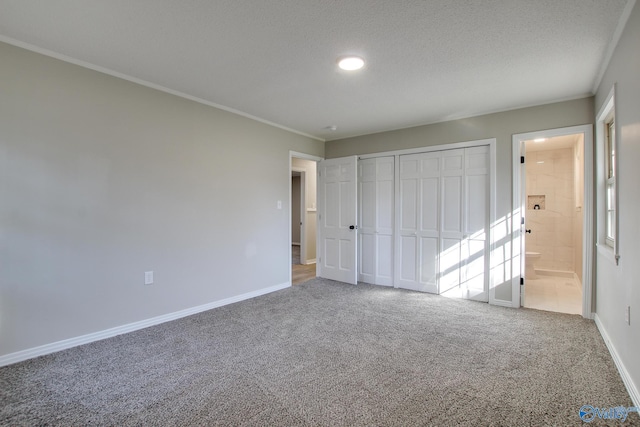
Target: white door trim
x,y
517,243
439,147
303,200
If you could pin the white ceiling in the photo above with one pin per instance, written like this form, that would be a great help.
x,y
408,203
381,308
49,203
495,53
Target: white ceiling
x,y
555,143
426,60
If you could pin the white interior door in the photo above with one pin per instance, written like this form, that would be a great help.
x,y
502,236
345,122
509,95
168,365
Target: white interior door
x,y
376,212
385,210
367,221
451,261
474,280
443,220
418,237
337,214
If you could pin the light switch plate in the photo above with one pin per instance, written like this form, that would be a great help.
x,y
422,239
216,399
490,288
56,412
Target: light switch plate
x,y
148,277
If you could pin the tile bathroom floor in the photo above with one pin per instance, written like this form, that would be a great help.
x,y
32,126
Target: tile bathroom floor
x,y
552,293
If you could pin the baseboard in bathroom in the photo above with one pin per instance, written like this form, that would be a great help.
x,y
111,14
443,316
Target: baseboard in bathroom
x,y
556,273
577,281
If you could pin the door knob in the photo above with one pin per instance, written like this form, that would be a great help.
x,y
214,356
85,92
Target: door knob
x,y
527,231
353,227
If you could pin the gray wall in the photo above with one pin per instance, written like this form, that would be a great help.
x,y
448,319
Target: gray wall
x,y
619,286
102,179
501,126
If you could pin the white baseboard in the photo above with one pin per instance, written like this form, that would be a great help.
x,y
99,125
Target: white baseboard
x,y
501,303
626,378
310,261
30,353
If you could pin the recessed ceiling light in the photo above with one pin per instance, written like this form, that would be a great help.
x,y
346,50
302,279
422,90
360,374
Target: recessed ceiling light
x,y
350,63
540,140
332,128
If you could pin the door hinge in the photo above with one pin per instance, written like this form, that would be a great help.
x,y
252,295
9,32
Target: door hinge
x,y
521,159
522,280
522,221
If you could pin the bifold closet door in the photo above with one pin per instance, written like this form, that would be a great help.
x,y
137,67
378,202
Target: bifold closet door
x,y
475,279
443,204
451,231
376,200
418,234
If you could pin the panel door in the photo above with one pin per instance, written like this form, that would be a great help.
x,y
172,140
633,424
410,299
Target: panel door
x,y
376,192
451,225
367,222
337,226
385,217
475,277
418,237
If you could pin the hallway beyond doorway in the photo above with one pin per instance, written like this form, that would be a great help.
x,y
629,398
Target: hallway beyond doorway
x,y
300,272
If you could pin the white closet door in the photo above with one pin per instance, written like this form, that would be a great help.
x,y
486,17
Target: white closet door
x,y
451,223
337,208
407,273
385,210
474,278
367,223
443,213
418,237
376,192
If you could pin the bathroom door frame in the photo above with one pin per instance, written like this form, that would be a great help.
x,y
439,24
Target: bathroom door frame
x,y
517,224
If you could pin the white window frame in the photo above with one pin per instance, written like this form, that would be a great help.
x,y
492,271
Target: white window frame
x,y
607,143
610,180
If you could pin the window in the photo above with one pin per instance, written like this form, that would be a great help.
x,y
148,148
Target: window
x,y
610,184
607,159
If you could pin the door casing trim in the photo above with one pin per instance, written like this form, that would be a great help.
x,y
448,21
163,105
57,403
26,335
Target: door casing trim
x,y
588,242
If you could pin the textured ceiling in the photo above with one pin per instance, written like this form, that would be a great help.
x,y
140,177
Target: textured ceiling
x,y
427,60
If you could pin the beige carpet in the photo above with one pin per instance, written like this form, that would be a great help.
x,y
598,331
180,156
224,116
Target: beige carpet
x,y
325,353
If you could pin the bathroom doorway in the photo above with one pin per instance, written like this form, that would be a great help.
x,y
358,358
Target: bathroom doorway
x,y
552,203
554,188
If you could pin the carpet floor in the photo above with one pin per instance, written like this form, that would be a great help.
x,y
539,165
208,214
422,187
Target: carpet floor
x,y
326,353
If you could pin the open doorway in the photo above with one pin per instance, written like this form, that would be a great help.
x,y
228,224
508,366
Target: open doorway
x,y
552,202
297,207
303,213
554,188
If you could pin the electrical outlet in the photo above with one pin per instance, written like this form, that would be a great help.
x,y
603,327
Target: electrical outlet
x,y
627,315
148,277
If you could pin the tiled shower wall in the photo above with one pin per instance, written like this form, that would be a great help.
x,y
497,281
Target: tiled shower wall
x,y
551,174
578,168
